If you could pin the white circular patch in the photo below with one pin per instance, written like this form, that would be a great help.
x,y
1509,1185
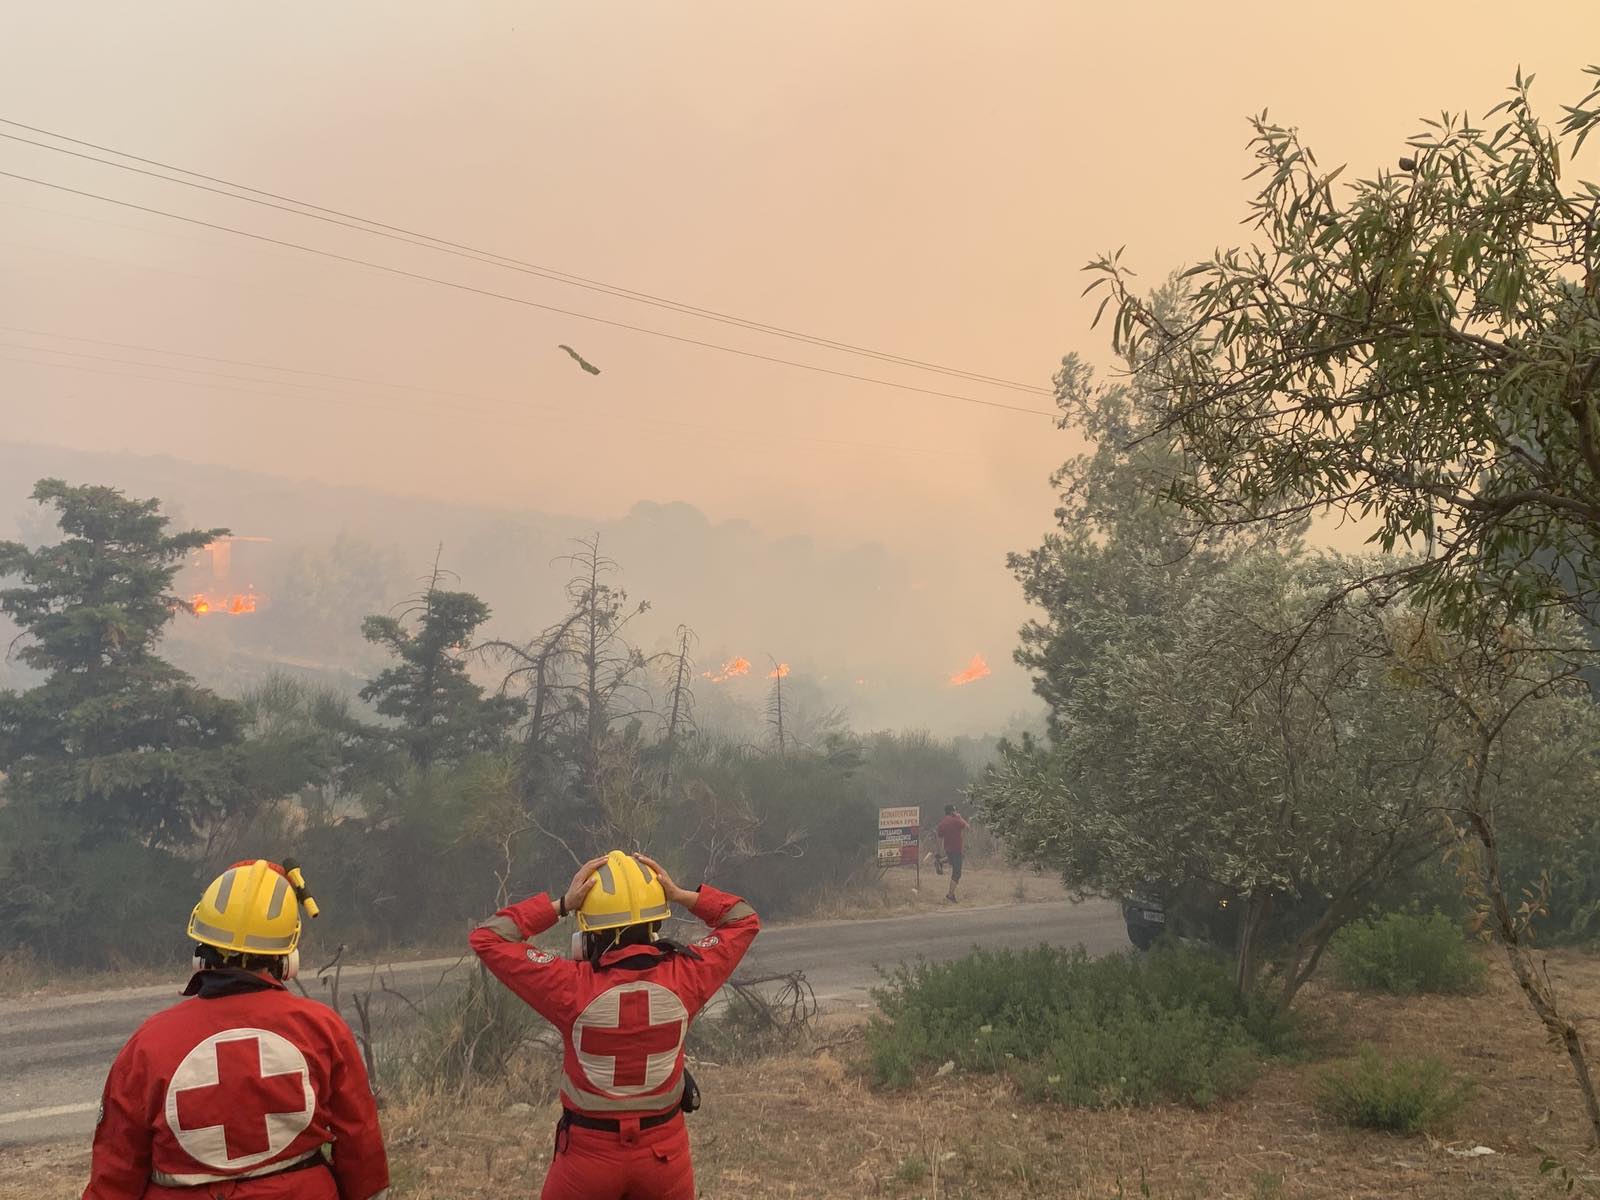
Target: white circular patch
x,y
240,1097
628,1039
707,942
540,956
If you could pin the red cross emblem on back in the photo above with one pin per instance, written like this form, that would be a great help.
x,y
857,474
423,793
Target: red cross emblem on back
x,y
239,1097
633,1041
242,1098
627,1039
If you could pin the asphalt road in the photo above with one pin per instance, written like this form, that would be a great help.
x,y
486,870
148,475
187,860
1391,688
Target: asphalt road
x,y
54,1053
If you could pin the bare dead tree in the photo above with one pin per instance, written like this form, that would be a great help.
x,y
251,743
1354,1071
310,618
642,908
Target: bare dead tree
x,y
680,697
537,670
610,669
775,713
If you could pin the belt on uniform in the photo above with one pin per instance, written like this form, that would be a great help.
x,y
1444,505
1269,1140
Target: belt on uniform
x,y
603,1124
312,1158
611,1124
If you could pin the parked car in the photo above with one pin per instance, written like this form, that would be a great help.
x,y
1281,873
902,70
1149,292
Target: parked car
x,y
1203,912
1145,913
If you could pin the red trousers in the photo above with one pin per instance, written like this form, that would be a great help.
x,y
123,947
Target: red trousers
x,y
594,1165
315,1183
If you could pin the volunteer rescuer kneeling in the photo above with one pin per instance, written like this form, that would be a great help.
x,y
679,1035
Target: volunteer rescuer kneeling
x,y
238,1092
623,1004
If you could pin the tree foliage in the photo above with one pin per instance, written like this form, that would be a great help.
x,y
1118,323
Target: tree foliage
x,y
117,763
1419,349
115,741
1211,756
440,715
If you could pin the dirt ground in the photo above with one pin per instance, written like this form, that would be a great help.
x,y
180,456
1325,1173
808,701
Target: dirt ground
x,y
805,1125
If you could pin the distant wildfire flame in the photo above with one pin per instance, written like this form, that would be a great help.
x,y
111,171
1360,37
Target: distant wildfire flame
x,y
233,606
730,670
778,672
975,670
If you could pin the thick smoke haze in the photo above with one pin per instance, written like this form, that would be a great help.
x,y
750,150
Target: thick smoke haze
x,y
924,179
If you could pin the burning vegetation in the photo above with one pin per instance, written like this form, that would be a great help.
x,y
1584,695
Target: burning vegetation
x,y
218,597
975,670
731,669
205,604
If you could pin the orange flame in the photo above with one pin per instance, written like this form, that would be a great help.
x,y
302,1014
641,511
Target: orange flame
x,y
974,670
778,672
733,667
235,605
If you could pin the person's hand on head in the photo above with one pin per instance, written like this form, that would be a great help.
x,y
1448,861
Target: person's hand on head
x,y
578,890
675,894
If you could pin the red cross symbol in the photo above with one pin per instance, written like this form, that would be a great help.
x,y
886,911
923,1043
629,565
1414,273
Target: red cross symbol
x,y
633,1040
242,1098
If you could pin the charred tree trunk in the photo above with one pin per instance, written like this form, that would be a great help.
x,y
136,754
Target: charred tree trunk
x,y
775,708
682,699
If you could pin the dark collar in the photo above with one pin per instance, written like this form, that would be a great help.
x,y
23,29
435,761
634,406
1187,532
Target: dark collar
x,y
212,983
644,955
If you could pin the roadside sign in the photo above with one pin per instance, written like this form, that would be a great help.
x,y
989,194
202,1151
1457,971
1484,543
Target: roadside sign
x,y
899,836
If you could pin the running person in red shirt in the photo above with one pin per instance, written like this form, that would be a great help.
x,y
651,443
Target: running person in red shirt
x,y
952,832
622,1004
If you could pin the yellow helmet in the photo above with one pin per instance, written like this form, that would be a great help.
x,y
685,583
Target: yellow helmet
x,y
251,908
626,892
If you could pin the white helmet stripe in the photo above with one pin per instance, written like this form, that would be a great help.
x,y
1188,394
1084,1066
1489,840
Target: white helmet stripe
x,y
275,907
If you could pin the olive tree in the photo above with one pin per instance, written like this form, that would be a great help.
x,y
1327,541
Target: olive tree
x,y
1521,732
1212,755
1419,349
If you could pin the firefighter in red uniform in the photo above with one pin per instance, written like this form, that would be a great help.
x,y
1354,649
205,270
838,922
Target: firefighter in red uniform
x,y
238,1092
623,1003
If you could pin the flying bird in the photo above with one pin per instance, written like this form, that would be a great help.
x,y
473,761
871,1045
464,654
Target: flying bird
x,y
580,360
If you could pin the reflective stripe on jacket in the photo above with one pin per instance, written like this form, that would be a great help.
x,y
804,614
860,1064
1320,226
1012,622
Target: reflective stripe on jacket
x,y
623,1025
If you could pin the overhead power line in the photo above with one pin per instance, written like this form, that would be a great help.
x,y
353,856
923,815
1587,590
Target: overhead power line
x,y
504,424
305,208
551,308
516,408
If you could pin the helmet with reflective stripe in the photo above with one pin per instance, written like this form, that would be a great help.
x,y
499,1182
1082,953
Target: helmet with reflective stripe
x,y
249,909
626,892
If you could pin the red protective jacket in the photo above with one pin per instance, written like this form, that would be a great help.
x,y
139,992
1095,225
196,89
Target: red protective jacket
x,y
229,1086
623,1025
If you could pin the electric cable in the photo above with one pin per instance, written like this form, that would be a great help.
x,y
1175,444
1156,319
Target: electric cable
x,y
304,208
491,294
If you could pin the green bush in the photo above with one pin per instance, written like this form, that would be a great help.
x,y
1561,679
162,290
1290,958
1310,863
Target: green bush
x,y
1404,954
1122,1030
1400,1095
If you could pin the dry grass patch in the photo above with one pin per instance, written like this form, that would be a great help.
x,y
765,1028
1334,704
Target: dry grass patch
x,y
24,976
806,1126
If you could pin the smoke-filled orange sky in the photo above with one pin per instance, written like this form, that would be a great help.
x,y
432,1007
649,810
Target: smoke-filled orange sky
x,y
921,178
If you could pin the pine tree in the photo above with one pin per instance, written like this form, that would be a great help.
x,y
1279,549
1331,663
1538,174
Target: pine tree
x,y
440,714
116,743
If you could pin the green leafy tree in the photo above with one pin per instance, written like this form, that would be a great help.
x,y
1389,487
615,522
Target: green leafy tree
x,y
119,740
1419,350
1211,756
116,764
1522,733
440,715
1120,560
